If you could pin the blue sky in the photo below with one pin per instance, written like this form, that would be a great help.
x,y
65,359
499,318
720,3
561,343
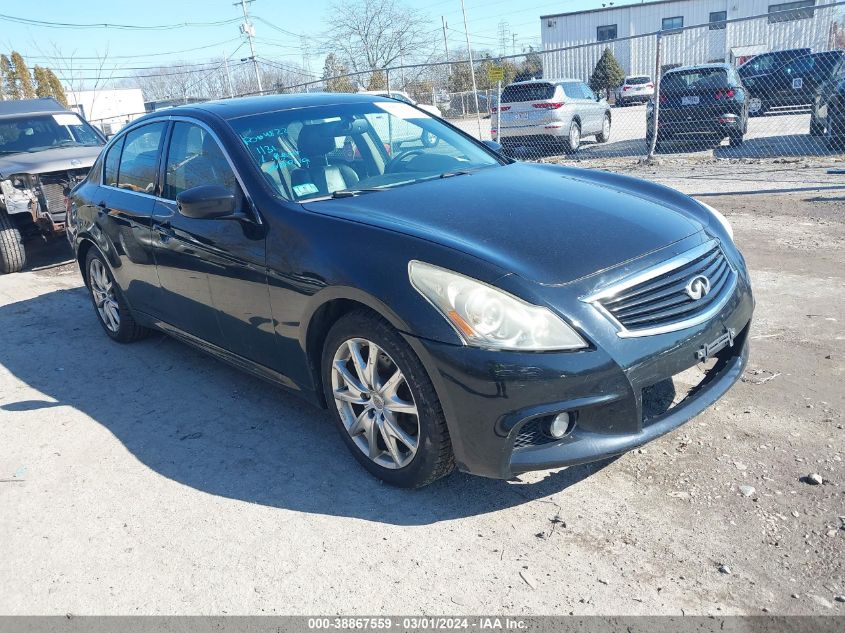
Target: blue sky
x,y
130,49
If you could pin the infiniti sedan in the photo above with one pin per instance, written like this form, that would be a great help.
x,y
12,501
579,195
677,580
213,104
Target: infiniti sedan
x,y
450,307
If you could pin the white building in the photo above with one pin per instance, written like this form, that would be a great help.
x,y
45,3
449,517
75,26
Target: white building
x,y
630,32
109,110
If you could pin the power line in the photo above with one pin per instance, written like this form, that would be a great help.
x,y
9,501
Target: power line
x,y
109,25
148,55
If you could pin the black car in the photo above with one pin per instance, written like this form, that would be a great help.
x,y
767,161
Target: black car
x,y
828,118
449,306
768,62
793,85
703,103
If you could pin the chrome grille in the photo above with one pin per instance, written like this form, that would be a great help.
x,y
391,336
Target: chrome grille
x,y
658,300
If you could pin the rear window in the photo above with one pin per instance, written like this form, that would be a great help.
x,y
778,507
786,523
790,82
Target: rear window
x,y
637,81
700,78
527,92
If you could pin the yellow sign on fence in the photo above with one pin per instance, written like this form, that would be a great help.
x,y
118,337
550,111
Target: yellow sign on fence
x,y
496,73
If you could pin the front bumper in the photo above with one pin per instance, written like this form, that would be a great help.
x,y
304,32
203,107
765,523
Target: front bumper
x,y
490,397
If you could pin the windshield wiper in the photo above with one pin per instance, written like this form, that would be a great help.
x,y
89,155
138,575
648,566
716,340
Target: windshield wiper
x,y
457,172
349,193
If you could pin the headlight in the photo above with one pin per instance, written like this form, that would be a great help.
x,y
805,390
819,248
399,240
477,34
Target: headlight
x,y
720,219
485,316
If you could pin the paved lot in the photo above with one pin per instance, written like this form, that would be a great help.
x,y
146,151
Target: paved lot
x,y
769,136
151,479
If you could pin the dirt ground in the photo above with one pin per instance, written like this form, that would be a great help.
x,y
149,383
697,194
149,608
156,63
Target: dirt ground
x,y
150,479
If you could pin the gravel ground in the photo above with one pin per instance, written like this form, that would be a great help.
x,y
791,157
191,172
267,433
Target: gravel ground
x,y
151,479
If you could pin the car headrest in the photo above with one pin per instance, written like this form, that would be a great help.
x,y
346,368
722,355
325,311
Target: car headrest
x,y
316,140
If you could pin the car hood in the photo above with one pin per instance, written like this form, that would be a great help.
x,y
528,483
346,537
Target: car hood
x,y
546,223
48,160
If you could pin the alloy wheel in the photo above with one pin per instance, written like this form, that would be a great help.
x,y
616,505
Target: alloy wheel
x,y
375,403
755,104
605,128
574,136
102,289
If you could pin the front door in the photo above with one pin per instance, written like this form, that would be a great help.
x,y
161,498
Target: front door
x,y
212,272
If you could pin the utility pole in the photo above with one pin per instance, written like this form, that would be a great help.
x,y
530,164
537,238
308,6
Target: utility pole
x,y
228,74
472,71
249,30
446,45
513,46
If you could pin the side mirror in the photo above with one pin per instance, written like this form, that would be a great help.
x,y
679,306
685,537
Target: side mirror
x,y
207,202
496,147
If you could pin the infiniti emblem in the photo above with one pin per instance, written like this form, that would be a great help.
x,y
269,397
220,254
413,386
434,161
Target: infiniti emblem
x,y
698,287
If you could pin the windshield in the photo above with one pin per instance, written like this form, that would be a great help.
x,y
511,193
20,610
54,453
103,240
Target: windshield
x,y
637,81
38,132
348,149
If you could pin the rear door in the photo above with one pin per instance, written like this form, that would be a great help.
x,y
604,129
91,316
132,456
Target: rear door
x,y
130,179
594,109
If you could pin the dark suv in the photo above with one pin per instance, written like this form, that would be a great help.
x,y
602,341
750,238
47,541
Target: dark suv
x,y
794,84
700,103
828,117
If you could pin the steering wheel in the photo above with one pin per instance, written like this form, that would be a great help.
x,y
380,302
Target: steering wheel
x,y
402,159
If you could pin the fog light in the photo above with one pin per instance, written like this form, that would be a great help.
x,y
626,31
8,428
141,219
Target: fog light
x,y
559,425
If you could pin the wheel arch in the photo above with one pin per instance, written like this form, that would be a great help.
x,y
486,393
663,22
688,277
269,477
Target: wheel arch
x,y
326,309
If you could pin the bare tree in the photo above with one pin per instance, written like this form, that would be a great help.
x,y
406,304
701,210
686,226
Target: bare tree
x,y
377,34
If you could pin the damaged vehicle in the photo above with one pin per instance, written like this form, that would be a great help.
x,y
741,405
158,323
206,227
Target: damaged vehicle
x,y
45,150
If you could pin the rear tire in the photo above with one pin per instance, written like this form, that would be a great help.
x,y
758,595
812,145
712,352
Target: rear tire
x,y
111,308
370,418
736,140
12,252
816,128
756,107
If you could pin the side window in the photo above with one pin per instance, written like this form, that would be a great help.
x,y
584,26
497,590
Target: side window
x,y
572,91
195,159
588,92
139,159
112,162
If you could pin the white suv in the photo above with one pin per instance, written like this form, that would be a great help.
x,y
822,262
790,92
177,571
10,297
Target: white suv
x,y
549,114
638,89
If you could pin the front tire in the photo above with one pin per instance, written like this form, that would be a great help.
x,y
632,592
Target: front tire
x,y
384,403
12,252
109,304
604,135
573,142
736,140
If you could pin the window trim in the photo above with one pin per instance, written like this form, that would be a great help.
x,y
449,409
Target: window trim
x,y
120,138
255,216
615,28
718,25
663,26
778,15
250,204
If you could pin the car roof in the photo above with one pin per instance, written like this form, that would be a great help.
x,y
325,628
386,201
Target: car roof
x,y
679,69
31,106
543,81
246,106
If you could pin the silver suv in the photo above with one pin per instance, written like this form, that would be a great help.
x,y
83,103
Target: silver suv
x,y
549,114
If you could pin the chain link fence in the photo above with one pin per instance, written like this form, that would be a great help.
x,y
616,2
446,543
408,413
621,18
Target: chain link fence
x,y
769,86
755,87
